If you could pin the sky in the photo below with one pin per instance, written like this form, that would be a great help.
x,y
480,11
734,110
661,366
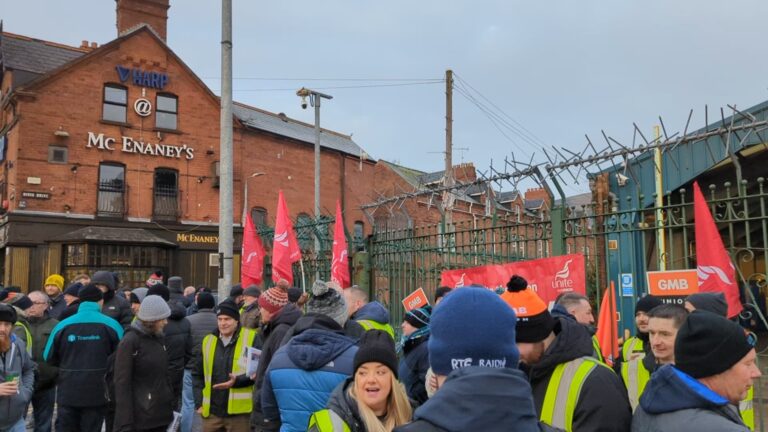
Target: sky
x,y
544,73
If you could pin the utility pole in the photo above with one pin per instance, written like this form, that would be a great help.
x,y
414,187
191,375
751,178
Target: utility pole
x,y
448,177
225,161
314,99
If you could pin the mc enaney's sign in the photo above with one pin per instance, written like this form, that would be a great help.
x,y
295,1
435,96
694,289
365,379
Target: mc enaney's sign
x,y
129,145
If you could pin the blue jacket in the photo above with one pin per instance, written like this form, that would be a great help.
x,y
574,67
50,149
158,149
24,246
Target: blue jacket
x,y
373,311
303,374
674,401
478,399
80,346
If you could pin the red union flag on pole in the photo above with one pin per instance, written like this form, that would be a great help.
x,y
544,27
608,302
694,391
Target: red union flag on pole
x,y
607,327
714,268
340,263
252,257
285,248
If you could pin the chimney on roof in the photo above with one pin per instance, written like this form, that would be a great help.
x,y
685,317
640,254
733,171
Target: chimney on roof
x,y
131,14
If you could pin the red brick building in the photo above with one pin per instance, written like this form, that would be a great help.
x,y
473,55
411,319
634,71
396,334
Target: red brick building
x,y
110,159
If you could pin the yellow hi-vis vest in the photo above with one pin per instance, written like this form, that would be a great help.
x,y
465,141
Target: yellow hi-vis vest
x,y
28,335
371,325
635,377
747,410
633,345
598,354
326,421
563,391
240,399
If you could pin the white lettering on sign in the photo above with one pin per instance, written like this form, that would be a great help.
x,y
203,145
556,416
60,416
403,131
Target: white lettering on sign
x,y
129,145
461,363
673,284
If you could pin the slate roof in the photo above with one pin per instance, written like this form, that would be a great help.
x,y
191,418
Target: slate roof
x,y
114,235
285,126
534,204
32,55
508,196
40,57
432,177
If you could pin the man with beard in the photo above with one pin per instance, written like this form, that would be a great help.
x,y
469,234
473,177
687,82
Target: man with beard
x,y
53,287
17,379
115,307
571,389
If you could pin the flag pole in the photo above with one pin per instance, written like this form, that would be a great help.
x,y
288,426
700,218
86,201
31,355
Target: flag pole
x,y
303,282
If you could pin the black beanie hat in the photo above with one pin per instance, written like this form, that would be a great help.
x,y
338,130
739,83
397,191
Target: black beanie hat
x,y
294,294
709,301
228,308
7,314
161,290
376,346
418,318
708,344
73,289
236,291
90,293
516,284
205,300
22,302
647,303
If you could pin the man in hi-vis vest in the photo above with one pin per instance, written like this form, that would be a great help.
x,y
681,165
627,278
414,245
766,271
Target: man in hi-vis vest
x,y
222,387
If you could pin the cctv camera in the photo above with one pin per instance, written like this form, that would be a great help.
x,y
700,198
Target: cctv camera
x,y
621,179
303,103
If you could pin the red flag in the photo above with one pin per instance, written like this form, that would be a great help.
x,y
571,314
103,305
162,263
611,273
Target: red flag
x,y
713,264
285,248
252,257
340,263
608,327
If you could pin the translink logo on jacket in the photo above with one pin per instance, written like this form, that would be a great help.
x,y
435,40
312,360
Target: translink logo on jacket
x,y
76,338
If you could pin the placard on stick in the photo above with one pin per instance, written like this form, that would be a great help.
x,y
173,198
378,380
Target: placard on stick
x,y
415,300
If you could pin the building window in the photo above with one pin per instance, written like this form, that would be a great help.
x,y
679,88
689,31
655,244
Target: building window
x,y
133,263
115,105
359,236
166,194
111,190
259,217
166,111
57,154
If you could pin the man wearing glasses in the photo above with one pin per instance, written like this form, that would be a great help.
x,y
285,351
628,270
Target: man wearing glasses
x,y
40,327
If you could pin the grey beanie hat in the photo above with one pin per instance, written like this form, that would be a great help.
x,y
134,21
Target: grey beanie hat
x,y
140,292
153,308
327,301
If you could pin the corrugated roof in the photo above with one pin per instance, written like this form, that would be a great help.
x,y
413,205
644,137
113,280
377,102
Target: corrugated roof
x,y
32,55
285,126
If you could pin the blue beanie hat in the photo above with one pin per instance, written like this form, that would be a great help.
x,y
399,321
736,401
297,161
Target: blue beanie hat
x,y
472,327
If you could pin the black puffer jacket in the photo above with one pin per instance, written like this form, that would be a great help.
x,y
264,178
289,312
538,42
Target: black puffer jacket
x,y
117,308
178,337
202,323
603,405
143,396
272,334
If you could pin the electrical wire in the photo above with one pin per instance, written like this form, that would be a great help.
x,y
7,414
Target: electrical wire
x,y
343,87
328,79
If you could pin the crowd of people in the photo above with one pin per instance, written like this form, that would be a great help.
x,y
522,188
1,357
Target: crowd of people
x,y
93,355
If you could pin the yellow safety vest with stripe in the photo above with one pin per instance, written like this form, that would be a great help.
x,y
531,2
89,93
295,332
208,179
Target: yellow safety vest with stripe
x,y
563,391
747,410
635,377
598,354
28,336
240,399
633,345
326,421
371,325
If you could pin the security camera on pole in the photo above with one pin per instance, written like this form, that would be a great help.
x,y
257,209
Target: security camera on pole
x,y
314,100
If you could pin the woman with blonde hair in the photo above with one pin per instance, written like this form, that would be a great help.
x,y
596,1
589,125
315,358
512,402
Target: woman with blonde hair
x,y
372,399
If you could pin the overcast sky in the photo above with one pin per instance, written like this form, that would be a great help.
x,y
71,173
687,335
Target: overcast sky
x,y
559,69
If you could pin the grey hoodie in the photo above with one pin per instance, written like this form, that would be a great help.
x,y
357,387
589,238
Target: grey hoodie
x,y
16,362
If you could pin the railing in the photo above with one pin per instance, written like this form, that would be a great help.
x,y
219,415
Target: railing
x,y
166,203
112,200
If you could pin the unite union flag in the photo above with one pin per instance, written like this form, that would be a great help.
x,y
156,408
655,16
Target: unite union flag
x,y
340,262
252,257
285,248
714,268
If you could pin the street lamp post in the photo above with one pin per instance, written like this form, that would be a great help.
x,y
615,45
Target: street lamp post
x,y
314,99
